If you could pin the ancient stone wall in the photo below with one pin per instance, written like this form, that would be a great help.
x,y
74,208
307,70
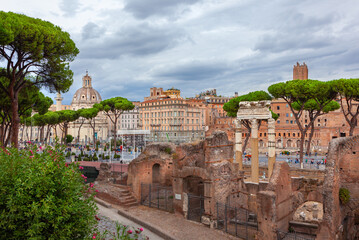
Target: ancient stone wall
x,y
140,170
275,204
342,171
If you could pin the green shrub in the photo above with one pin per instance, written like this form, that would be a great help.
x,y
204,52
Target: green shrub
x,y
86,159
107,157
43,197
68,154
105,148
79,158
344,195
168,150
95,158
69,138
73,153
117,156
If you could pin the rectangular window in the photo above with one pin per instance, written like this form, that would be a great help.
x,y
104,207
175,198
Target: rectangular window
x,y
278,107
287,115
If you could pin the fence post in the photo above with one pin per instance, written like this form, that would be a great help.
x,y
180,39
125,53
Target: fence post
x,y
188,205
200,208
246,224
235,219
225,216
166,199
217,217
149,196
158,197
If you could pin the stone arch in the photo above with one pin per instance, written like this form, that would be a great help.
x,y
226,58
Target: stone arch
x,y
279,143
156,173
298,143
261,143
315,196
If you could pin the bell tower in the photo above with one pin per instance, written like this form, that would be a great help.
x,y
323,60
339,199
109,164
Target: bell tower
x,y
86,81
300,71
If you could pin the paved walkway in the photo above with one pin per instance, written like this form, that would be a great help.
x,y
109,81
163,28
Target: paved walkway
x,y
112,214
168,225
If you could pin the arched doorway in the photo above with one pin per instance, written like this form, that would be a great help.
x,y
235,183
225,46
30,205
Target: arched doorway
x,y
156,175
194,188
193,185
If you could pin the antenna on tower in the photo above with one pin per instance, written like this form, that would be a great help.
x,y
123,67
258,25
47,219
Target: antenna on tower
x,y
87,72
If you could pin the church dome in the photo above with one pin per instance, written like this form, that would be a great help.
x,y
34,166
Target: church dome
x,y
86,96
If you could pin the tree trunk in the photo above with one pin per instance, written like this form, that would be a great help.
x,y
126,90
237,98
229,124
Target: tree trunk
x,y
301,148
93,130
42,135
246,141
7,134
310,137
15,120
115,134
78,134
353,123
2,133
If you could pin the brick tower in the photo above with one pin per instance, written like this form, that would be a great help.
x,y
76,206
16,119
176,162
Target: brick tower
x,y
300,71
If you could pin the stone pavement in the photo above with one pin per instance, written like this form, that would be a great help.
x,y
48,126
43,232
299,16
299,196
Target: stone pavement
x,y
169,225
111,216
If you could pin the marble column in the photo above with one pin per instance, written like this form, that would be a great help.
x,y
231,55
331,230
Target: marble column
x,y
271,146
254,147
238,144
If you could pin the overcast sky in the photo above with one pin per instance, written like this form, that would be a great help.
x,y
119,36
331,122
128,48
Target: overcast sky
x,y
129,46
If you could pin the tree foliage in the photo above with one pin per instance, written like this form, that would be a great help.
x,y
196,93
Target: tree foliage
x,y
304,95
113,108
34,50
348,93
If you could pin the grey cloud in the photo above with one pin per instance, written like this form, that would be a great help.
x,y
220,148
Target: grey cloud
x,y
285,42
144,9
137,40
69,7
194,71
92,30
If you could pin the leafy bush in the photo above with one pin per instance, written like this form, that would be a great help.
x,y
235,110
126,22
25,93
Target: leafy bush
x,y
73,153
344,195
107,157
68,154
69,138
86,159
43,197
95,158
117,156
168,150
105,148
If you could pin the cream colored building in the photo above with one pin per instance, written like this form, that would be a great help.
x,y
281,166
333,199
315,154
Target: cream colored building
x,y
85,97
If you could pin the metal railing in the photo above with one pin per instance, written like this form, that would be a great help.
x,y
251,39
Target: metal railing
x,y
239,222
157,196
